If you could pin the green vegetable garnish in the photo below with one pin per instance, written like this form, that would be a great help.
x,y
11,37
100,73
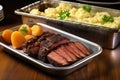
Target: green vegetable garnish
x,y
108,18
63,14
23,30
87,8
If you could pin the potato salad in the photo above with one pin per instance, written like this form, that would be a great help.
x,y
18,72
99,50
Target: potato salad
x,y
84,14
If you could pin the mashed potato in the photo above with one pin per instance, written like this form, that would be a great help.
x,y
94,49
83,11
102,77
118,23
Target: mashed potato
x,y
51,12
81,14
64,6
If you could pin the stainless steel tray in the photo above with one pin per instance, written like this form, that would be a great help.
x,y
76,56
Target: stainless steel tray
x,y
106,37
59,71
24,11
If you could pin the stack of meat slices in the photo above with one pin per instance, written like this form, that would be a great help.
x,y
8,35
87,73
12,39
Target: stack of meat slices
x,y
55,49
67,54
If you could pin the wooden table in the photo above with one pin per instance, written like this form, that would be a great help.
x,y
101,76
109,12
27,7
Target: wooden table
x,y
106,66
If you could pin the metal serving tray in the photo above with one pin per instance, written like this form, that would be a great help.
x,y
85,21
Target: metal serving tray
x,y
106,37
94,48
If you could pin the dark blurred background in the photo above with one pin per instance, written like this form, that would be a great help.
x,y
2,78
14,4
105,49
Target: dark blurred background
x,y
10,5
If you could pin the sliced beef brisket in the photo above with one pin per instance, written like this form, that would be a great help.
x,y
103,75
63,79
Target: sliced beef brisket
x,y
56,59
69,52
82,48
55,49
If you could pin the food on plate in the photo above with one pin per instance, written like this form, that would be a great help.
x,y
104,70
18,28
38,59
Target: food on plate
x,y
84,14
64,14
36,30
24,33
46,46
55,49
87,8
47,41
6,35
27,37
82,48
61,56
17,39
25,29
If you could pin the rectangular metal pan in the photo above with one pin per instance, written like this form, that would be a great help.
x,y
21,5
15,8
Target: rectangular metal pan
x,y
57,71
100,33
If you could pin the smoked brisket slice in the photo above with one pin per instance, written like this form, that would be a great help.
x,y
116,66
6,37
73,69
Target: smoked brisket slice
x,y
28,43
68,52
62,42
44,50
32,50
40,46
49,42
42,54
70,49
55,49
76,49
32,46
46,44
35,40
82,48
73,57
44,36
55,38
63,54
56,59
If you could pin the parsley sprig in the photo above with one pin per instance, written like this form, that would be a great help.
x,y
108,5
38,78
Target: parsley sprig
x,y
108,18
63,14
24,30
87,8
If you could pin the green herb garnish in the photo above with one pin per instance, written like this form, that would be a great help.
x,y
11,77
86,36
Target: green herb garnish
x,y
108,18
87,8
23,30
63,14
